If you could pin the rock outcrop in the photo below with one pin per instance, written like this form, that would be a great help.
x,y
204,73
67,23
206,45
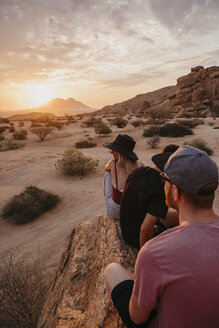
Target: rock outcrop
x,y
196,92
78,297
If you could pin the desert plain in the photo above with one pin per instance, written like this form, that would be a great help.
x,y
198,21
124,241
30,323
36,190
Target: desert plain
x,y
81,198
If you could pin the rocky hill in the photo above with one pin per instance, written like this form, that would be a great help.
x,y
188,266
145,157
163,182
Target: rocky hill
x,y
78,297
134,104
31,116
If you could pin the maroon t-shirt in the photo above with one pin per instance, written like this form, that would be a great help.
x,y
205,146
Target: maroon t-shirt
x,y
178,273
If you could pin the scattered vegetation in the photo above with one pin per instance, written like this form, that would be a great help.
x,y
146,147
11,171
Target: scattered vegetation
x,y
158,115
21,124
154,142
151,131
75,163
174,130
137,123
2,138
11,145
55,124
28,205
3,128
102,128
85,144
215,111
192,123
92,121
42,132
201,144
23,291
36,125
119,122
11,129
4,120
20,135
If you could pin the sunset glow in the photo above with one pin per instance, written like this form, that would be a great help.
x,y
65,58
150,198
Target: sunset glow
x,y
38,94
101,52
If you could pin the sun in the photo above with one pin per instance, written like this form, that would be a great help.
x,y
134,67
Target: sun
x,y
38,94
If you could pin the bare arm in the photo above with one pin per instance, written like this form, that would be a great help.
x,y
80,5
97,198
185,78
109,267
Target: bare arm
x,y
147,229
172,218
108,166
137,314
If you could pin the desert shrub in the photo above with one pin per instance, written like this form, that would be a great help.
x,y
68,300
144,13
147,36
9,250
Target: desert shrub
x,y
190,123
157,114
151,131
154,142
28,205
85,144
174,130
20,135
119,122
215,111
55,124
75,163
42,132
21,124
3,128
92,121
36,125
11,145
23,291
216,127
11,124
102,128
137,123
2,138
4,120
201,144
11,129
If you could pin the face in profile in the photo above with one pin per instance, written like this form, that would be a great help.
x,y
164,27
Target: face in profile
x,y
115,154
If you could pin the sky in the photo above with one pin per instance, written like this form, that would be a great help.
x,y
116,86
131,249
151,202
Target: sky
x,y
101,52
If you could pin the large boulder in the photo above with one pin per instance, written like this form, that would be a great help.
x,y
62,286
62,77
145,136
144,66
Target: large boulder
x,y
78,297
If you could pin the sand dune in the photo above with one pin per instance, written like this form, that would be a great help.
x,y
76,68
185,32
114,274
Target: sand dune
x,y
81,199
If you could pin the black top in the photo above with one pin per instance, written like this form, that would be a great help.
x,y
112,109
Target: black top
x,y
143,193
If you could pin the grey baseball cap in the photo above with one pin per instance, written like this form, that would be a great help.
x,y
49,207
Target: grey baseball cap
x,y
190,169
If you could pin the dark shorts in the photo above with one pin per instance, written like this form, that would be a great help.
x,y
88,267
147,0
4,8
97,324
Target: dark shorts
x,y
121,295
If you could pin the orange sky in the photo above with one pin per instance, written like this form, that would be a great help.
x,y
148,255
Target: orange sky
x,y
100,51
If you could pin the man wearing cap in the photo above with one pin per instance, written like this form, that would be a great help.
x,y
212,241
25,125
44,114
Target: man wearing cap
x,y
176,280
143,211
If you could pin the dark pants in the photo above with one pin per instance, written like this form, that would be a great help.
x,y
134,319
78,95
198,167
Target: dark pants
x,y
121,295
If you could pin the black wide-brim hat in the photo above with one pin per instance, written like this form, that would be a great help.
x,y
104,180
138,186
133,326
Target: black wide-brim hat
x,y
124,145
160,159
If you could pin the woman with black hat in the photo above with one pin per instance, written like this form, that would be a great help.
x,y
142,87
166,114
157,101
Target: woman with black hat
x,y
117,170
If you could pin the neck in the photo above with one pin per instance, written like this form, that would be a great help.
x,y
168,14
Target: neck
x,y
188,216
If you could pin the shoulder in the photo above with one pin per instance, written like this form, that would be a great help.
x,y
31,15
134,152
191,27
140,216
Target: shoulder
x,y
109,165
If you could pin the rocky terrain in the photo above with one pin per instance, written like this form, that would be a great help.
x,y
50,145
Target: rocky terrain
x,y
78,296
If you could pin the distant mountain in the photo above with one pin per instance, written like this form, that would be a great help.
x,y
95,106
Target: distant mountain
x,y
59,106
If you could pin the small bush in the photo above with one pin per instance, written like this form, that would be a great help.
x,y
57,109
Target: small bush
x,y
137,123
154,142
20,135
2,138
151,131
215,111
42,132
174,130
11,145
23,291
119,122
28,205
201,144
156,114
3,128
102,128
216,127
92,121
11,129
55,124
75,163
190,123
85,144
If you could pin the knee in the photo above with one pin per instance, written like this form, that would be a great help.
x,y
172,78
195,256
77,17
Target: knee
x,y
110,269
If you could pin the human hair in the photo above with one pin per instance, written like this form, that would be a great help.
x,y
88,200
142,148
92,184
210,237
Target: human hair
x,y
127,164
170,148
205,197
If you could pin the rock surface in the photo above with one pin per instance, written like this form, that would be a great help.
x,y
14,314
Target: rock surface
x,y
78,297
196,92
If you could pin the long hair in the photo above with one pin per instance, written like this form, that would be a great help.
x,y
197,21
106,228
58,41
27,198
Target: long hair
x,y
127,164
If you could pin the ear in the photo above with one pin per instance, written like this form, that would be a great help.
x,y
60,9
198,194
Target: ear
x,y
176,193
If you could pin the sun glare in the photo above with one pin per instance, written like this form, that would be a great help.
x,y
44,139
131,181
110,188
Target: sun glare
x,y
39,94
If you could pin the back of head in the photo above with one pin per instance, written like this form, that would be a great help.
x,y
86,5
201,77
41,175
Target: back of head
x,y
194,173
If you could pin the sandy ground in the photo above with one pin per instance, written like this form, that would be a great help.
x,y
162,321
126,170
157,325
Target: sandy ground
x,y
81,199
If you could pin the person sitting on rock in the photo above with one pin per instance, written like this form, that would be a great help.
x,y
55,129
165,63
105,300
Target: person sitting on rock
x,y
176,279
143,211
117,170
